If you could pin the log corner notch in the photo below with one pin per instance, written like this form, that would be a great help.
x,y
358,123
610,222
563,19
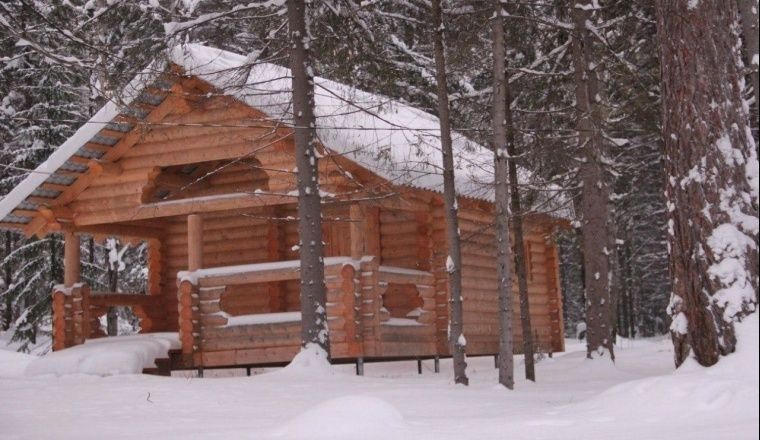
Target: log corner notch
x,y
71,320
71,315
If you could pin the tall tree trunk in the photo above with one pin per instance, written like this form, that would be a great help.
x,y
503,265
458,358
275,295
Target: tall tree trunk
x,y
112,319
750,29
712,189
595,209
519,245
314,329
454,259
502,198
8,279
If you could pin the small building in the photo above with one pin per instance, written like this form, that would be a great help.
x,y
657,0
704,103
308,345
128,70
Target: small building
x,y
197,160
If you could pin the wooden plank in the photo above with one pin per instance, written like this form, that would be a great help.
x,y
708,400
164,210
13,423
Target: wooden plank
x,y
104,299
183,207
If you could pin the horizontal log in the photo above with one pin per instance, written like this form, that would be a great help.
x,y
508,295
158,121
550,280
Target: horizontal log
x,y
250,341
183,207
108,299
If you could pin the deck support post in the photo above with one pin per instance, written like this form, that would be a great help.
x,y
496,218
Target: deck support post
x,y
71,259
419,366
360,366
437,364
200,372
247,371
194,242
496,361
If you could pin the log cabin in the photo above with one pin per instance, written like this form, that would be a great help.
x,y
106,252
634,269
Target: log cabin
x,y
197,159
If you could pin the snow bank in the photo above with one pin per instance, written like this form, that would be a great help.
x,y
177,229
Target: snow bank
x,y
107,356
311,360
347,417
13,364
726,390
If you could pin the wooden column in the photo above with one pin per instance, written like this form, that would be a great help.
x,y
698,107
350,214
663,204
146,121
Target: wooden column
x,y
194,242
71,259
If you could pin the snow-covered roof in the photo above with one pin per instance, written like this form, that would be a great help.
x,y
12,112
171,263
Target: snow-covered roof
x,y
394,140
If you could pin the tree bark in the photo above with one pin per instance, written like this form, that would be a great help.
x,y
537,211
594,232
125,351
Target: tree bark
x,y
112,319
8,279
502,198
595,209
314,330
750,29
519,248
709,157
454,259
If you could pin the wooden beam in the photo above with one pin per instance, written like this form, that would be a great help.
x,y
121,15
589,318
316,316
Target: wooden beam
x,y
184,207
104,299
56,213
194,242
117,230
71,259
104,167
14,226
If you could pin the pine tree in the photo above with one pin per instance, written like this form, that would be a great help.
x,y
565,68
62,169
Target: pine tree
x,y
712,169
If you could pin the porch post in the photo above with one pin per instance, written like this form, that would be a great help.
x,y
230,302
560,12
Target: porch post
x,y
194,242
71,257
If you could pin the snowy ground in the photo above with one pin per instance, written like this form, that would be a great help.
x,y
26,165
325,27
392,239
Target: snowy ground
x,y
641,397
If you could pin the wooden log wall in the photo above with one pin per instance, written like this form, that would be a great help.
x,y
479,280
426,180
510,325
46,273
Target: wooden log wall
x,y
479,284
404,239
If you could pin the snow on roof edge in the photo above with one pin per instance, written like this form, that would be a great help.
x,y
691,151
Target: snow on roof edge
x,y
84,134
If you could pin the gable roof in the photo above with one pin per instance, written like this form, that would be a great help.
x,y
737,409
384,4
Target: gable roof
x,y
396,141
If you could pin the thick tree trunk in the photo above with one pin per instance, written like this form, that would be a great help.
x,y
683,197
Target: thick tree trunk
x,y
750,29
595,209
710,157
314,329
502,198
454,259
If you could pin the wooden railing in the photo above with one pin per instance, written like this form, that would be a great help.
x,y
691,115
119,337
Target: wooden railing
x,y
210,333
421,282
76,312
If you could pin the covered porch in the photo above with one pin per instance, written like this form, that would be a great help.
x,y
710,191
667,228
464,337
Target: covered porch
x,y
246,315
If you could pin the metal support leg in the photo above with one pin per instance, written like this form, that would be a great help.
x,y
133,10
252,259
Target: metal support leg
x,y
360,366
247,371
200,371
437,364
496,361
419,366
